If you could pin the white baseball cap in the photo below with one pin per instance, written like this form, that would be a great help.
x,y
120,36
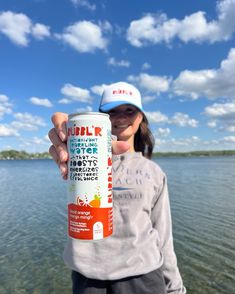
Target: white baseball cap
x,y
118,94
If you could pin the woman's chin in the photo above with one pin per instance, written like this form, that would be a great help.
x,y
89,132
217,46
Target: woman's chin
x,y
123,137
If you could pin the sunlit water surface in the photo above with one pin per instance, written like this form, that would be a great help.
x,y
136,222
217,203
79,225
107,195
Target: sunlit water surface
x,y
33,224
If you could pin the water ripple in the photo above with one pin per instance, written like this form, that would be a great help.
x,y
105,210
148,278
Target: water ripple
x,y
34,229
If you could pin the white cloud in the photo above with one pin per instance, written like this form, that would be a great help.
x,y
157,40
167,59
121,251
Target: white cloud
x,y
179,119
148,98
84,109
3,98
221,116
210,83
230,128
183,120
155,29
47,139
163,132
85,4
18,27
193,84
212,124
193,143
38,141
219,110
65,101
179,144
40,101
5,106
186,141
121,63
146,66
156,117
8,131
229,139
40,31
150,83
25,126
74,93
28,122
85,36
105,26
98,89
35,144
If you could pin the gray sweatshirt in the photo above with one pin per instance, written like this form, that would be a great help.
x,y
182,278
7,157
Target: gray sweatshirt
x,y
142,238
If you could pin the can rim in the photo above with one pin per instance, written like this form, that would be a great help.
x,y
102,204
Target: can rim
x,y
88,113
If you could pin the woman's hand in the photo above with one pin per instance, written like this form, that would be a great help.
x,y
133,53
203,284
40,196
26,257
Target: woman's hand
x,y
58,137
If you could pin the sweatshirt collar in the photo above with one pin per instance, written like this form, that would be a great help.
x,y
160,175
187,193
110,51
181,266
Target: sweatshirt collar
x,y
127,155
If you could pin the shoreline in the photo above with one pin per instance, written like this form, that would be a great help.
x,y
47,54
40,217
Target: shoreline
x,y
201,153
23,155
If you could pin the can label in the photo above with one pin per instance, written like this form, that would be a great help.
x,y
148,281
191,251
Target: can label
x,y
90,214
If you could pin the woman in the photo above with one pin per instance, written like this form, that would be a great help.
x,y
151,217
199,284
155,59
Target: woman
x,y
139,257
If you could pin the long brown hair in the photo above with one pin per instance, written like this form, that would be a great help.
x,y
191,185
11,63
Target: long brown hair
x,y
144,139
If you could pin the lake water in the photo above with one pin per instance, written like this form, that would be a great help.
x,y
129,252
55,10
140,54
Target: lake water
x,y
34,230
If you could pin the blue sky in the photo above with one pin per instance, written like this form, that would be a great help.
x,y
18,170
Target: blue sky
x,y
58,56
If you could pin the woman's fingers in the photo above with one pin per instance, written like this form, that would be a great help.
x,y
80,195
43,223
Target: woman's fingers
x,y
59,152
58,137
62,165
59,120
54,154
59,147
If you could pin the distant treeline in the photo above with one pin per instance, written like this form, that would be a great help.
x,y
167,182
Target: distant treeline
x,y
15,154
196,153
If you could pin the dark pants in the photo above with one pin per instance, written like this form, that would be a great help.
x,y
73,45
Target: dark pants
x,y
151,283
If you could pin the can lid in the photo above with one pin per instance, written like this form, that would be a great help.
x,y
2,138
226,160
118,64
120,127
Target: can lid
x,y
93,113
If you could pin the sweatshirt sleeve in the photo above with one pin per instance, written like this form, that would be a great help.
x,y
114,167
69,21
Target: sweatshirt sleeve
x,y
161,220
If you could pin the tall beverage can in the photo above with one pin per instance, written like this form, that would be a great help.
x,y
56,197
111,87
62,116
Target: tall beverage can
x,y
90,209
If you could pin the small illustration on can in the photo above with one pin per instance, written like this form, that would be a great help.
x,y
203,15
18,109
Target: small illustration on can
x,y
95,202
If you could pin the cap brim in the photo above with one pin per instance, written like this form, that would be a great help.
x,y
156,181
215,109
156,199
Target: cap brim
x,y
107,107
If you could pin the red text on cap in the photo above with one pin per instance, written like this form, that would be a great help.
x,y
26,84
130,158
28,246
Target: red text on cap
x,y
120,91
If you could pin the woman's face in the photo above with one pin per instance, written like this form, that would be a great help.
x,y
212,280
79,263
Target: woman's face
x,y
125,121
